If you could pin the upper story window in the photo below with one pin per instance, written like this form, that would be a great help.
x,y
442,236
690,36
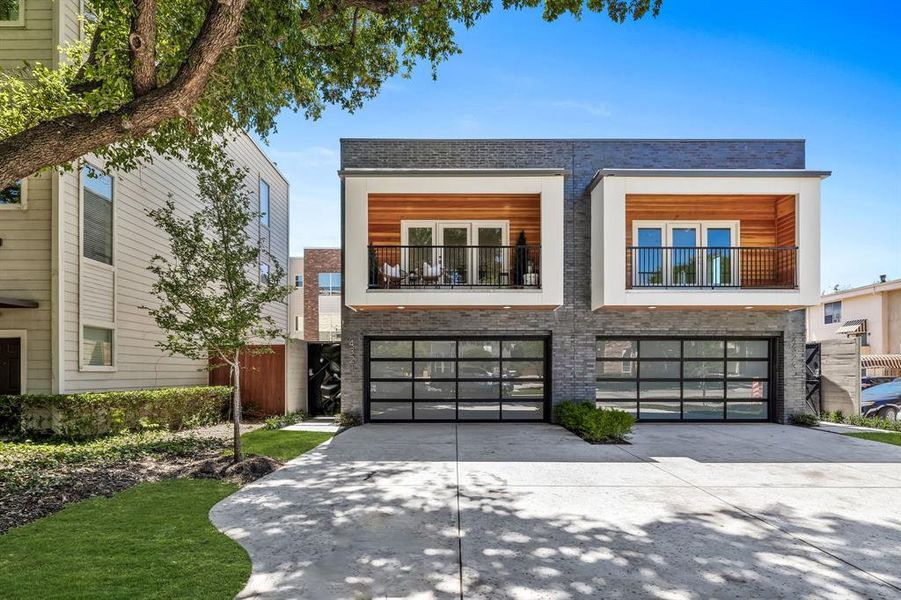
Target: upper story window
x,y
14,195
264,272
12,13
264,203
298,281
832,312
329,284
97,222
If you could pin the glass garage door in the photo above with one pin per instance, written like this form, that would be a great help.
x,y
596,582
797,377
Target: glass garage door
x,y
691,379
467,379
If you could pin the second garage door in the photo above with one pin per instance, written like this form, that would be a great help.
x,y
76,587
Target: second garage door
x,y
687,379
457,379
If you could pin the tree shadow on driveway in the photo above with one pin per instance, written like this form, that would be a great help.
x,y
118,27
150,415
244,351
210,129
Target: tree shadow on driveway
x,y
421,516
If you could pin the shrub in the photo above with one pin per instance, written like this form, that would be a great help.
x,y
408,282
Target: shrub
x,y
348,419
594,424
279,421
804,420
93,414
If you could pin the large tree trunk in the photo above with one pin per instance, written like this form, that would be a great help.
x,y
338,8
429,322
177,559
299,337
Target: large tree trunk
x,y
65,139
236,407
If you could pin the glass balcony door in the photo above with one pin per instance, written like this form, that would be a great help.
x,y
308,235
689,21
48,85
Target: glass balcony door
x,y
457,252
455,240
684,254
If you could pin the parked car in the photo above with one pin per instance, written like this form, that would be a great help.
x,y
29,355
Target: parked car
x,y
868,381
883,400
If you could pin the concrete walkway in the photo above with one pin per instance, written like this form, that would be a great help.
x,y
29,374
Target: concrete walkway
x,y
531,511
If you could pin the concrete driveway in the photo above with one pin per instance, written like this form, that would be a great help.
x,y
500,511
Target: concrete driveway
x,y
531,511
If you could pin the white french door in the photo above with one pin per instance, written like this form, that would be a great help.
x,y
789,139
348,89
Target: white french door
x,y
684,253
457,252
455,240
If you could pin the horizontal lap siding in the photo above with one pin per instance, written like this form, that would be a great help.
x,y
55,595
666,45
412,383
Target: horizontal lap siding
x,y
139,362
386,211
33,43
25,274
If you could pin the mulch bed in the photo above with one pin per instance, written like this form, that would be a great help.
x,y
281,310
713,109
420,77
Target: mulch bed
x,y
53,489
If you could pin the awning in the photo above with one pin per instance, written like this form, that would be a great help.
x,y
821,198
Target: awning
x,y
17,303
855,327
891,361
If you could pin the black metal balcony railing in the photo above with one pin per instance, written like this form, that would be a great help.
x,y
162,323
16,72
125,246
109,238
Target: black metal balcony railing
x,y
454,266
710,267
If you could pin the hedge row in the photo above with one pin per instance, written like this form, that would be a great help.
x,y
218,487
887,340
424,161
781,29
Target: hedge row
x,y
99,413
592,424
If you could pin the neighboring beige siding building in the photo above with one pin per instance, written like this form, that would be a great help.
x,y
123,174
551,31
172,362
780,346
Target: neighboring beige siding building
x,y
295,300
872,313
75,251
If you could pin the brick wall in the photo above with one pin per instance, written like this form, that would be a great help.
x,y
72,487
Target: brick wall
x,y
573,327
316,261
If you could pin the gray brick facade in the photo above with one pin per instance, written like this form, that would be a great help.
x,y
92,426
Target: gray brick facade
x,y
573,327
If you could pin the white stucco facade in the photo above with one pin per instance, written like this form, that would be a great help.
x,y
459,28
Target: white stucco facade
x,y
608,243
358,186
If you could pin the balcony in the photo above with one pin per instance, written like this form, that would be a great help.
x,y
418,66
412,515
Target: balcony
x,y
706,238
454,239
753,268
451,267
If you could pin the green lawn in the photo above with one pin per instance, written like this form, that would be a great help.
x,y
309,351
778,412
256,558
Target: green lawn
x,y
281,445
887,437
154,540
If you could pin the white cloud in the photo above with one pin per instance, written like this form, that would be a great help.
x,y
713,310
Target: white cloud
x,y
595,109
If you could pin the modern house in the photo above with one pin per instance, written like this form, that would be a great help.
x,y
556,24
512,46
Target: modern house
x,y
871,314
488,280
75,246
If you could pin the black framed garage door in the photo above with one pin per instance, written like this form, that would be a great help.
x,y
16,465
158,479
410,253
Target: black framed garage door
x,y
687,379
491,378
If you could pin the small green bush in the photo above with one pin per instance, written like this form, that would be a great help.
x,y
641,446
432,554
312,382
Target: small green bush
x,y
348,419
860,421
74,416
279,421
804,420
594,424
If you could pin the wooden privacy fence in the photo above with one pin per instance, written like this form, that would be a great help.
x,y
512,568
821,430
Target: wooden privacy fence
x,y
262,380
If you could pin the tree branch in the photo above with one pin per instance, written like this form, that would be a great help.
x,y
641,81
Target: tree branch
x,y
142,44
64,139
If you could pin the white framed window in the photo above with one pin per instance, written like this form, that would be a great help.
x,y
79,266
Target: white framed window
x,y
97,215
298,281
264,203
97,347
459,252
12,13
15,196
685,253
329,284
832,312
264,272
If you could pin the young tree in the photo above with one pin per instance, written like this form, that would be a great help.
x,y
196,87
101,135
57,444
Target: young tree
x,y
212,291
165,76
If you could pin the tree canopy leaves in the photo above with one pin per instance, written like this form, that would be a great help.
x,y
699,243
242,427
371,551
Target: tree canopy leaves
x,y
137,56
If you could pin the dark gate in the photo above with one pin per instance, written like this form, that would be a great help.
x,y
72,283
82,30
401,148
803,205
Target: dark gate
x,y
814,372
324,386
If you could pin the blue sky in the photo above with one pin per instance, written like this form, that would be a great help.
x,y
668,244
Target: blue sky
x,y
818,70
